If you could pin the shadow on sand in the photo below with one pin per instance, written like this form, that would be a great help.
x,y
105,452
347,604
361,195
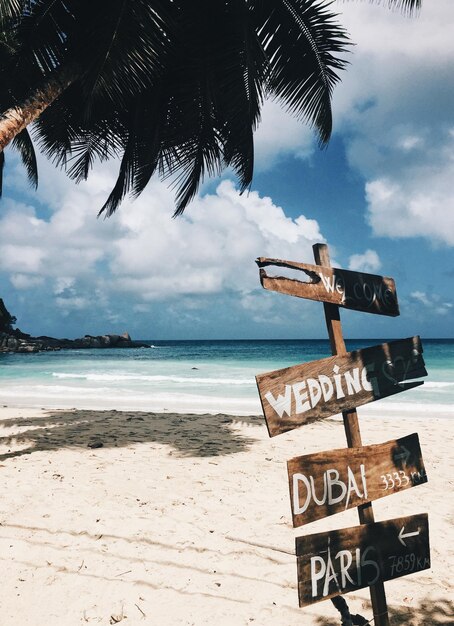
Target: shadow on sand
x,y
438,612
188,434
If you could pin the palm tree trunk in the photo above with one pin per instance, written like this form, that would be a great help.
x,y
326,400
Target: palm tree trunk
x,y
15,119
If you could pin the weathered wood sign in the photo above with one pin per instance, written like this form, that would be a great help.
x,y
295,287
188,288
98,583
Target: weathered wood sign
x,y
352,290
303,393
325,483
349,559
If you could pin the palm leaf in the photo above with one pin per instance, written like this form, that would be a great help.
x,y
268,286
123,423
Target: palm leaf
x,y
10,9
174,86
23,144
124,180
301,38
410,7
128,44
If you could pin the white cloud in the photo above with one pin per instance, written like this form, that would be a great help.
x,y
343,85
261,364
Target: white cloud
x,y
62,284
367,262
394,107
141,250
280,134
25,281
432,302
210,249
420,296
75,303
21,258
419,207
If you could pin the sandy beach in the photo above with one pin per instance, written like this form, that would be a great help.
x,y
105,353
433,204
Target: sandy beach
x,y
184,519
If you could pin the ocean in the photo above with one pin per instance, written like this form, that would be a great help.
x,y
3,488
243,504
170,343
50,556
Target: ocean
x,y
192,376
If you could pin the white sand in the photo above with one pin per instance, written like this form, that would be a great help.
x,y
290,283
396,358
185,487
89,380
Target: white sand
x,y
185,519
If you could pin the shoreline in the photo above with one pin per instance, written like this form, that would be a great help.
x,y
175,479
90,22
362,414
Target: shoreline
x,y
243,407
184,519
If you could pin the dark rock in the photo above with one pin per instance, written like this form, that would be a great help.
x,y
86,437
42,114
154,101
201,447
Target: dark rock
x,y
14,340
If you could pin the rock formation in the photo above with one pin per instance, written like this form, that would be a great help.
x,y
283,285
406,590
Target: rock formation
x,y
14,340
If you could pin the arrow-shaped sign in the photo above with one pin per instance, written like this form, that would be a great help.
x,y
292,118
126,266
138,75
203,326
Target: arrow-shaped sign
x,y
402,456
348,559
403,535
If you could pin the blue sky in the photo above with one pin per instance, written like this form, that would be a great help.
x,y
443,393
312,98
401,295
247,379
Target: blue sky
x,y
381,195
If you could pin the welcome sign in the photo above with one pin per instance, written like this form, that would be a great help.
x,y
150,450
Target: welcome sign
x,y
297,395
353,290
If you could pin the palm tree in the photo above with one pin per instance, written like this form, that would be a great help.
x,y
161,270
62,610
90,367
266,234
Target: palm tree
x,y
21,141
172,86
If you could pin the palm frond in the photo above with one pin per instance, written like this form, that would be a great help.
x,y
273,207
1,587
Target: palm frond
x,y
124,180
10,10
23,144
409,7
301,40
99,143
128,45
171,86
239,91
44,31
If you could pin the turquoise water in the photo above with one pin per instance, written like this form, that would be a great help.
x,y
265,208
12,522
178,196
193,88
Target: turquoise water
x,y
189,375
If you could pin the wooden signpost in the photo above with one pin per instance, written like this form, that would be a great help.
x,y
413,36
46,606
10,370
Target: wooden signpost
x,y
352,290
348,559
296,395
326,483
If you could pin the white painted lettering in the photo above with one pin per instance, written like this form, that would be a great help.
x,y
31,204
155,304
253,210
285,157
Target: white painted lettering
x,y
370,563
317,575
352,381
345,559
323,569
337,380
332,476
315,391
328,282
330,575
357,291
362,470
352,486
358,566
297,480
302,404
314,495
369,383
327,387
281,404
368,293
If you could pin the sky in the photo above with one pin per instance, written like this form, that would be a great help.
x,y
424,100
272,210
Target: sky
x,y
381,196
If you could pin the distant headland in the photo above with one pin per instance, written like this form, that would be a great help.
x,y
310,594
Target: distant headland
x,y
14,340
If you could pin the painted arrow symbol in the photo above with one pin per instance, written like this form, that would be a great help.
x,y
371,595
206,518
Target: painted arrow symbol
x,y
403,535
404,455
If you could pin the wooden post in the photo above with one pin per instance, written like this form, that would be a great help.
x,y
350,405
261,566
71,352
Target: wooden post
x,y
351,425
